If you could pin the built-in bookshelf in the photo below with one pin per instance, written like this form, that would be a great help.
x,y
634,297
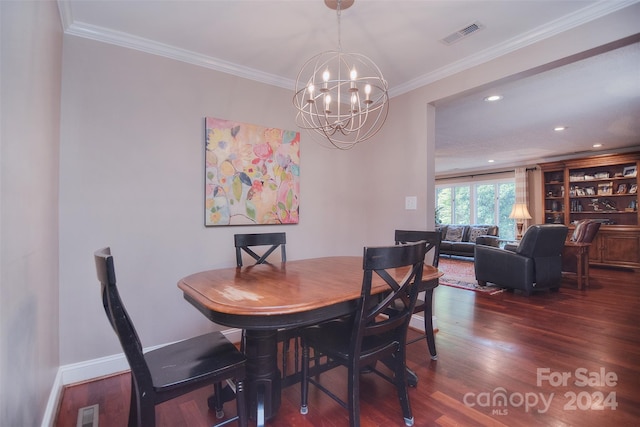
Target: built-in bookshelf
x,y
554,192
604,189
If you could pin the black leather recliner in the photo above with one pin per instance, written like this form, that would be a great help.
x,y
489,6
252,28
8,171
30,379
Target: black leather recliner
x,y
536,263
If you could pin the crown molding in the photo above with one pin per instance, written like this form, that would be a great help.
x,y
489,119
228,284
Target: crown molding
x,y
130,41
66,17
581,17
105,35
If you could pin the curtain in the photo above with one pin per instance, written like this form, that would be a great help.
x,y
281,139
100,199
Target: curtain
x,y
522,190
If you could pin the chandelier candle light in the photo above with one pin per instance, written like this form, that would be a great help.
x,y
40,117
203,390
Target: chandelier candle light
x,y
341,96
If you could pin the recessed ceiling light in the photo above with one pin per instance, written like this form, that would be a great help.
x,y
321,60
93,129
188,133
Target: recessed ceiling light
x,y
493,98
559,128
491,161
597,145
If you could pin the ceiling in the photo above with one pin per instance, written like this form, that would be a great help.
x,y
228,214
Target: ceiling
x,y
597,97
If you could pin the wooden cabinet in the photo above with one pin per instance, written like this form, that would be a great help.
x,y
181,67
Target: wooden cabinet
x,y
602,188
616,246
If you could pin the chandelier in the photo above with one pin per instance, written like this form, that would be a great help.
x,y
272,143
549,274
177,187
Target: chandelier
x,y
339,96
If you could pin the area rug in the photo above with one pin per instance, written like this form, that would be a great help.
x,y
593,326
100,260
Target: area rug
x,y
459,273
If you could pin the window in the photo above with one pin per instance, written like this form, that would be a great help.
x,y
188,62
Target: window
x,y
478,202
461,211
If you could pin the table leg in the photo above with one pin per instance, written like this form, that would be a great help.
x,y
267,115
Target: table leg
x,y
263,377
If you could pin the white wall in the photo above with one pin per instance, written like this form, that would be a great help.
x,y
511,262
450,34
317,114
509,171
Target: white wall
x,y
401,164
132,177
30,110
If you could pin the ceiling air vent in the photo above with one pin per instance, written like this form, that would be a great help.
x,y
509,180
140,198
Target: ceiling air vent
x,y
460,34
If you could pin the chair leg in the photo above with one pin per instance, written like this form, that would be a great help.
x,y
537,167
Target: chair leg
x,y
217,404
296,354
412,378
428,324
317,361
304,383
133,406
354,395
285,354
142,412
401,387
241,404
242,341
260,418
147,408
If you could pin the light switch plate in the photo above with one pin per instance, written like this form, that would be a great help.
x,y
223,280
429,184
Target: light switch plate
x,y
411,203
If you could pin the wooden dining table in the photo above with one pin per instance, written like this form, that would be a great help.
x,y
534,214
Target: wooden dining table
x,y
263,298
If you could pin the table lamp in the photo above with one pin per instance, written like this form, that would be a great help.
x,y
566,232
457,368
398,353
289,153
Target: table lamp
x,y
519,213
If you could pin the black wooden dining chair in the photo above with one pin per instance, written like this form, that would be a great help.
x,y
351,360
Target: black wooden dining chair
x,y
425,305
367,337
246,243
272,241
175,369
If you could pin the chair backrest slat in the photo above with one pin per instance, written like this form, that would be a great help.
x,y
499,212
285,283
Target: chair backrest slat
x,y
433,239
244,242
387,263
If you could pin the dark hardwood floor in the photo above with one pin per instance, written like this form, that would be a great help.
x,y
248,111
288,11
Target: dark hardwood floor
x,y
491,349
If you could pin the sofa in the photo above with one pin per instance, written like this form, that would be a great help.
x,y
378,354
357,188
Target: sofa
x,y
461,240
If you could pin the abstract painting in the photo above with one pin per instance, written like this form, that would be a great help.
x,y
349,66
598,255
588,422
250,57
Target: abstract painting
x,y
252,174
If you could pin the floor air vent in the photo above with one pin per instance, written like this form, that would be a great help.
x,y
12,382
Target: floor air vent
x,y
465,32
88,416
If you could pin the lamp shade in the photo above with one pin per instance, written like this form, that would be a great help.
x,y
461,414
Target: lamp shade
x,y
520,211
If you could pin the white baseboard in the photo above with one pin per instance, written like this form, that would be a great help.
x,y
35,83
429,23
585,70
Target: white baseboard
x,y
96,368
109,365
417,322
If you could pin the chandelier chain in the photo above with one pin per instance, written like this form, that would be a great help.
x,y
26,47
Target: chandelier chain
x,y
338,14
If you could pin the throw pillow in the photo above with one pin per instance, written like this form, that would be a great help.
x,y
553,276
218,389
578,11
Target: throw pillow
x,y
477,231
454,234
578,233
